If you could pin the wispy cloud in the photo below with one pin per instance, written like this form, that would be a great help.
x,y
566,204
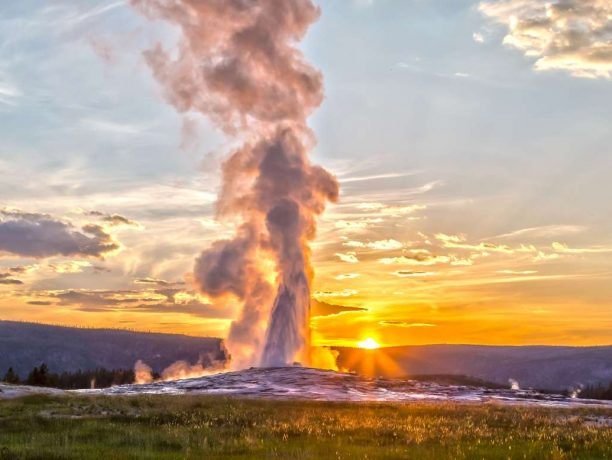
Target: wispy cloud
x,y
389,209
349,257
517,272
544,231
114,220
416,259
565,249
9,93
405,324
348,180
347,276
458,242
411,274
72,266
152,282
363,3
343,293
66,17
111,127
380,245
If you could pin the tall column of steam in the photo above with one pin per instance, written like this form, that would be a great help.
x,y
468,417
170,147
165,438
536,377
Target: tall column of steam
x,y
237,63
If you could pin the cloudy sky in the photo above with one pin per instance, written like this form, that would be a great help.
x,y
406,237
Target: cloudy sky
x,y
471,141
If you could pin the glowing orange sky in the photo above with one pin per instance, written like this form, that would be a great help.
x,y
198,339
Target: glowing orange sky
x,y
474,168
407,288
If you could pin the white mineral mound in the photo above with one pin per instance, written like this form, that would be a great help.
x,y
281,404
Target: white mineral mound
x,y
17,391
318,385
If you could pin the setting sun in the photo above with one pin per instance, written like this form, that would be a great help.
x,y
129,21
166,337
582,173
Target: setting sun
x,y
368,344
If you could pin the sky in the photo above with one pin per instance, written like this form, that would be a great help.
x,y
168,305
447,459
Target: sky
x,y
471,141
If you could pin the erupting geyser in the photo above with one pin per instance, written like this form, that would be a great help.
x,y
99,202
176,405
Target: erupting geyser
x,y
237,63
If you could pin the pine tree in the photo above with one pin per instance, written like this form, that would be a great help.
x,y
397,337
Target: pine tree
x,y
11,376
43,374
39,376
33,377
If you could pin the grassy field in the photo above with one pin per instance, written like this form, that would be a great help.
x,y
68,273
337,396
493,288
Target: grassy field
x,y
173,427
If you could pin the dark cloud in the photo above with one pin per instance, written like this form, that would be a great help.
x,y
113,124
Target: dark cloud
x,y
412,274
19,270
10,281
169,293
89,299
318,308
114,220
157,282
5,278
153,281
193,308
100,269
40,235
40,302
136,301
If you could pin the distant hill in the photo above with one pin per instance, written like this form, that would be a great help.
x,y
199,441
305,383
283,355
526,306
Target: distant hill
x,y
541,367
25,345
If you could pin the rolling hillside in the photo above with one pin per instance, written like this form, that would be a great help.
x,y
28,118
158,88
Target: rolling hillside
x,y
25,345
542,367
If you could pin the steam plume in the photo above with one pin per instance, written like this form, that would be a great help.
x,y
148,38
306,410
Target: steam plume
x,y
237,63
208,364
142,373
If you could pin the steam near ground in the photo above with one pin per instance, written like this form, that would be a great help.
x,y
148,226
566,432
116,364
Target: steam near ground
x,y
323,358
179,370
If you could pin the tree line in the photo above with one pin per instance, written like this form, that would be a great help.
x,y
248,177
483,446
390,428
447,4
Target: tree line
x,y
98,378
597,392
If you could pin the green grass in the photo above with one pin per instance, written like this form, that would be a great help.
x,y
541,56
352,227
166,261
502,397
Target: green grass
x,y
204,427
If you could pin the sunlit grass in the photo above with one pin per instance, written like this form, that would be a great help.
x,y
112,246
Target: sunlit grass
x,y
173,427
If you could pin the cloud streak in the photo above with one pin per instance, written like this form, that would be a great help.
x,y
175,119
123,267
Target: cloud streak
x,y
162,301
405,324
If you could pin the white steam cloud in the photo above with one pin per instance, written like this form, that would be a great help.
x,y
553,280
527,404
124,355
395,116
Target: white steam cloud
x,y
238,64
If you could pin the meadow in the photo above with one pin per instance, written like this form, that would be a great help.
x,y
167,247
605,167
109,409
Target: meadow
x,y
176,427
